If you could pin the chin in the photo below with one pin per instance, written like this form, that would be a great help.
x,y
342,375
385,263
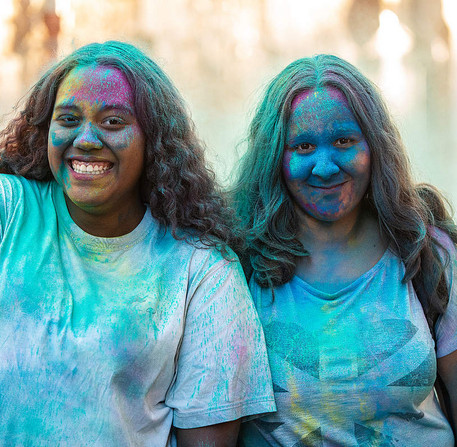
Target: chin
x,y
328,219
328,216
85,202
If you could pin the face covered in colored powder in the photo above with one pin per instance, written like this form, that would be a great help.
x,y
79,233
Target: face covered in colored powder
x,y
326,162
95,143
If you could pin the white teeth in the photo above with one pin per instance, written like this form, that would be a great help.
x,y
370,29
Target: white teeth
x,y
93,168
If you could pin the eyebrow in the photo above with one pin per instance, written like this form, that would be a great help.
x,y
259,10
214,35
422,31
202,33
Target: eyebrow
x,y
107,107
301,138
64,106
121,107
308,136
347,126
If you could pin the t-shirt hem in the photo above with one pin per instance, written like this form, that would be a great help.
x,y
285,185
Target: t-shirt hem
x,y
442,351
202,418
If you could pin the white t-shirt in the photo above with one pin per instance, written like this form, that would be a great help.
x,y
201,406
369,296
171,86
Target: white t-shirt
x,y
110,341
355,367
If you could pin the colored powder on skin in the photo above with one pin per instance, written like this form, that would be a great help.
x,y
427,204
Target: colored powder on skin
x,y
316,160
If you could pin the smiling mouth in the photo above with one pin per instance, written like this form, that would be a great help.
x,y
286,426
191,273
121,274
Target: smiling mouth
x,y
90,167
328,186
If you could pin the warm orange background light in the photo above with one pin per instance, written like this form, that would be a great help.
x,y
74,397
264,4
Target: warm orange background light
x,y
220,53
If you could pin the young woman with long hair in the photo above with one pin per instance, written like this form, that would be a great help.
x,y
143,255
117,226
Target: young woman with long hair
x,y
352,267
125,317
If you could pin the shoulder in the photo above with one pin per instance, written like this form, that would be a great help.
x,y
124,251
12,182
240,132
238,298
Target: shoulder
x,y
196,260
15,190
446,326
12,186
18,198
443,240
446,249
9,184
255,288
209,261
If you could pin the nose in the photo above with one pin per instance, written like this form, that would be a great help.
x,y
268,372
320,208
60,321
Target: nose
x,y
87,138
324,166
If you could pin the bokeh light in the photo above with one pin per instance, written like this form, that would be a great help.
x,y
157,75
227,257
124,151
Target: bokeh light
x,y
220,53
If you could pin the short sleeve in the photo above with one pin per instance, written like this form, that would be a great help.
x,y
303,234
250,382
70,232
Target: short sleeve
x,y
222,368
446,326
6,200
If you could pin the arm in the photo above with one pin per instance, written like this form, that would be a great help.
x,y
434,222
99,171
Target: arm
x,y
447,369
446,331
219,435
222,371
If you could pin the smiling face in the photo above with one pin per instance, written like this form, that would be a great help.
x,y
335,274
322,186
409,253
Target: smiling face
x,y
326,162
95,143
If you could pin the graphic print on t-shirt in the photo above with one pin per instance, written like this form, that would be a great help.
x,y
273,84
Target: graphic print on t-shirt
x,y
354,367
341,363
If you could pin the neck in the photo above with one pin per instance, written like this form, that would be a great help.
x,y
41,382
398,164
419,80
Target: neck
x,y
107,224
345,231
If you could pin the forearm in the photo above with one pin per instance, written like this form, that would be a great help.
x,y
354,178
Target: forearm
x,y
453,415
219,435
447,368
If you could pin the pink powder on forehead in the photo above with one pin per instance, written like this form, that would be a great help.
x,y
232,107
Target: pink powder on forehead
x,y
98,84
322,93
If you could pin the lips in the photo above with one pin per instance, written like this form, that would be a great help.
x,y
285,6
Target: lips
x,y
96,167
327,187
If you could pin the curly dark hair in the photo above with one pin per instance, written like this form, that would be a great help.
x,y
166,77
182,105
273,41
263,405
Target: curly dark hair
x,y
406,212
181,190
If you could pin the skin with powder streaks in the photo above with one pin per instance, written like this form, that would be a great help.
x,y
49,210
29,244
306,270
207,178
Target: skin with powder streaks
x,y
326,168
326,163
96,150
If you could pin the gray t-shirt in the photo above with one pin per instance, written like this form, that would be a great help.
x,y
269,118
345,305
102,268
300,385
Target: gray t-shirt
x,y
111,341
356,367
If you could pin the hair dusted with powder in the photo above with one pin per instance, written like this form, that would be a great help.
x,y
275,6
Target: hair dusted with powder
x,y
180,190
406,212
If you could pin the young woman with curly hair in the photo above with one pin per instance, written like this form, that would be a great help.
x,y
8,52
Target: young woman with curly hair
x,y
123,310
353,267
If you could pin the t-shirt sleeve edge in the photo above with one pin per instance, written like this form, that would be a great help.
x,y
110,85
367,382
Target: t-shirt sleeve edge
x,y
242,410
443,351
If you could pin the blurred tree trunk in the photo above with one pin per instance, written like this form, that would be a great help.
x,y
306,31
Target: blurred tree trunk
x,y
431,56
52,23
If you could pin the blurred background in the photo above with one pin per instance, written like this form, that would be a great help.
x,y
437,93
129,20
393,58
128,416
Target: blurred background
x,y
221,54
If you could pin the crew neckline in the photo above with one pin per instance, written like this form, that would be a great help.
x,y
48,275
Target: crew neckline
x,y
99,244
346,289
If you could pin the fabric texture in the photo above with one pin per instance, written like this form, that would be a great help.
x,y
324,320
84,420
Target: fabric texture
x,y
356,367
110,341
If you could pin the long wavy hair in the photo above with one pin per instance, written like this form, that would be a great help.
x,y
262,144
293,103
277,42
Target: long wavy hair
x,y
180,190
406,212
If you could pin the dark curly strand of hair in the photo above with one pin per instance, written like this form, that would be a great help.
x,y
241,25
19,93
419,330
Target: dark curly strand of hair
x,y
180,189
406,212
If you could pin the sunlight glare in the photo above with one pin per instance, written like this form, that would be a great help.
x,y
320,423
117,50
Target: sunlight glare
x,y
392,39
450,15
392,42
6,12
65,10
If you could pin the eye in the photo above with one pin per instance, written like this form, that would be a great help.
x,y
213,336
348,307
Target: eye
x,y
114,122
67,120
304,148
344,142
